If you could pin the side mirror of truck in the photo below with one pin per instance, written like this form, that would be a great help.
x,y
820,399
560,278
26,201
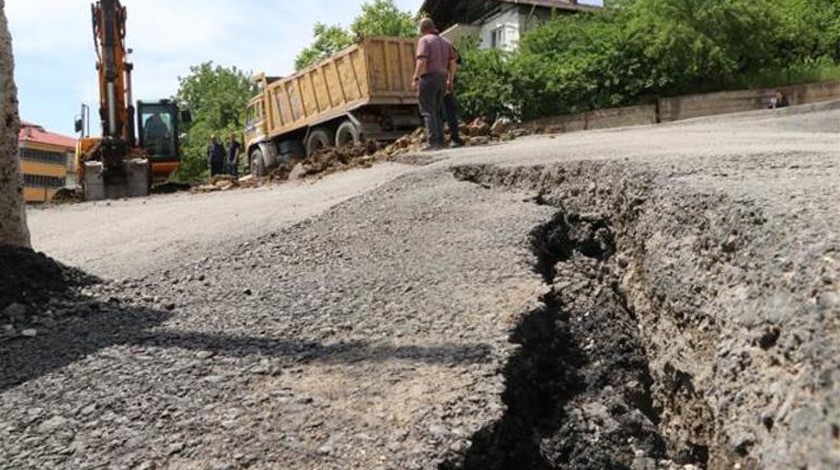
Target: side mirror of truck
x,y
186,116
79,127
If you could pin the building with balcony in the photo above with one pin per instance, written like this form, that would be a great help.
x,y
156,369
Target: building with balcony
x,y
46,160
497,24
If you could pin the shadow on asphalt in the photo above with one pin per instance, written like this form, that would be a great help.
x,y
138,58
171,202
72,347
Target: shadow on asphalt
x,y
25,359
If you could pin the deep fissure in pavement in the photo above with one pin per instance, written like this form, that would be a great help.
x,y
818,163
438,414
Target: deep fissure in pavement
x,y
579,389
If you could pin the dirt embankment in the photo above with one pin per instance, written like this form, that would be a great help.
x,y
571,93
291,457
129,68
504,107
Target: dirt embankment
x,y
35,289
681,328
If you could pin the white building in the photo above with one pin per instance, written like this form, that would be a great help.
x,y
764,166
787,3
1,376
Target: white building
x,y
497,23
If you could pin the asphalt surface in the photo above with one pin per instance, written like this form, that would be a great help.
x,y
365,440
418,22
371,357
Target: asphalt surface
x,y
129,238
364,321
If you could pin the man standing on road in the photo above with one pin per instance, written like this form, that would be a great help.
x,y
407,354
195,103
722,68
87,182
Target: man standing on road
x,y
234,149
432,75
215,156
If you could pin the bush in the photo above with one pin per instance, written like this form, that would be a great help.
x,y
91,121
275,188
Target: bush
x,y
638,50
485,83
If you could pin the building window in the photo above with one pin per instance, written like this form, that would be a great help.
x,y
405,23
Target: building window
x,y
41,181
43,156
497,38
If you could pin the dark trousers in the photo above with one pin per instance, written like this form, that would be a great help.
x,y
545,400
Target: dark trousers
x,y
432,92
450,109
233,169
217,166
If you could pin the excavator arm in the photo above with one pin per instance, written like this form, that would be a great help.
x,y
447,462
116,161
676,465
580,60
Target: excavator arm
x,y
115,110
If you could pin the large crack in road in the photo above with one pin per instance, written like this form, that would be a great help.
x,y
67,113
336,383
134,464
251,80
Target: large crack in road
x,y
578,389
626,365
666,311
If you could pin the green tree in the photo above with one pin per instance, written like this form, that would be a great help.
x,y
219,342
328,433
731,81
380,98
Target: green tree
x,y
383,18
217,98
328,41
378,18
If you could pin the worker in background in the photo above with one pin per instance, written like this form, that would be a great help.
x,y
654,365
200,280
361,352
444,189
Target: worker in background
x,y
215,156
435,64
234,149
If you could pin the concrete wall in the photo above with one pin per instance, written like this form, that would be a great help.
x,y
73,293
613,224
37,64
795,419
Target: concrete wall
x,y
600,119
687,107
13,230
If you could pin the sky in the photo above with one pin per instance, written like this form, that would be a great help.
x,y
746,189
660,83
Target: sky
x,y
55,58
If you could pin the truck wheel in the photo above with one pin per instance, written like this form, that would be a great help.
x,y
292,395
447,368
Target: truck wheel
x,y
257,163
319,138
347,133
292,150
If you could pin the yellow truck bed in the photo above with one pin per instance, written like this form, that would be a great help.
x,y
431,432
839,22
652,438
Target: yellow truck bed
x,y
376,71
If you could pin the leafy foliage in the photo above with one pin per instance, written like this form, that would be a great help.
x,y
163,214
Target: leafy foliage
x,y
328,41
485,83
217,97
378,18
636,50
383,18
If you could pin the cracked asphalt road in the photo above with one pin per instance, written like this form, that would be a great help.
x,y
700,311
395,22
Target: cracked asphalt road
x,y
360,322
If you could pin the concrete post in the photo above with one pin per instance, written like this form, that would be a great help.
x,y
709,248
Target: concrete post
x,y
13,229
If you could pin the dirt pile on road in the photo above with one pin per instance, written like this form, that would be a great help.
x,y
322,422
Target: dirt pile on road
x,y
218,183
66,196
33,285
28,277
330,160
363,155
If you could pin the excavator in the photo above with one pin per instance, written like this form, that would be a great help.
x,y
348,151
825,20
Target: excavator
x,y
124,163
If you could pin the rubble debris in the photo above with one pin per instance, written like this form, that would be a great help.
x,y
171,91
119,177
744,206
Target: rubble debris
x,y
501,126
170,187
29,278
66,196
361,155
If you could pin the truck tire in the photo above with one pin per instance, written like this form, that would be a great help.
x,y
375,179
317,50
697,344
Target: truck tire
x,y
257,163
347,133
291,150
320,138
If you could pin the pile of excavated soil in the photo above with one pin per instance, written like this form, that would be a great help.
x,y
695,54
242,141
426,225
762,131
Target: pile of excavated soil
x,y
30,278
36,290
365,154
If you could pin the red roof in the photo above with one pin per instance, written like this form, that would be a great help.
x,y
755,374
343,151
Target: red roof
x,y
34,133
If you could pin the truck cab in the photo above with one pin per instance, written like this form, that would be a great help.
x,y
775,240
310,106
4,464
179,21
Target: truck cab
x,y
159,127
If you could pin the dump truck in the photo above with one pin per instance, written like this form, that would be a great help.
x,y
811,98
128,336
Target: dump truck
x,y
360,93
